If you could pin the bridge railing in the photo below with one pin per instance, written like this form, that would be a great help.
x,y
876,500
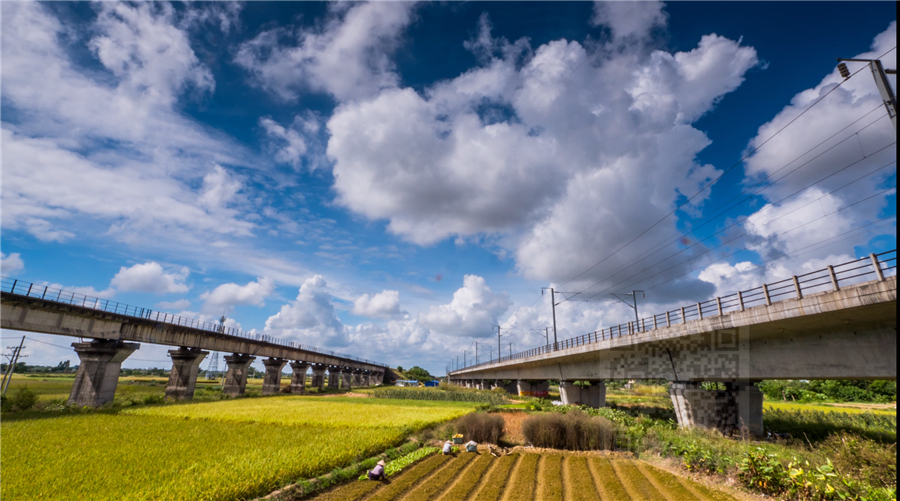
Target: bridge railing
x,y
55,295
875,266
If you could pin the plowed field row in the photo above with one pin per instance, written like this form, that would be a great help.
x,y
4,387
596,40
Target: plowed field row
x,y
527,477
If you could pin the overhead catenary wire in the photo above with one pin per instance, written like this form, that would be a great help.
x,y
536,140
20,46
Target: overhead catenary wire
x,y
708,185
677,236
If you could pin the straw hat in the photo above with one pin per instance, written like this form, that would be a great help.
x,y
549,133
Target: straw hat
x,y
381,462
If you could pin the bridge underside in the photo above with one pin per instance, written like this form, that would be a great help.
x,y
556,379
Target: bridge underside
x,y
847,334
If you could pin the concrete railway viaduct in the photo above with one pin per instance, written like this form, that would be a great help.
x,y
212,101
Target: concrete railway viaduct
x,y
114,331
836,323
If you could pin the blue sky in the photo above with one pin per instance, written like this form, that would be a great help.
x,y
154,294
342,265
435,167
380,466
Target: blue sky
x,y
391,180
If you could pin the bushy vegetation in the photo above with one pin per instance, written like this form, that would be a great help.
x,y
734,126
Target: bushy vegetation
x,y
481,427
441,395
575,430
830,390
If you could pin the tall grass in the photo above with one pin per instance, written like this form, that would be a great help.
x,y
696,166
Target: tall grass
x,y
573,430
440,395
817,425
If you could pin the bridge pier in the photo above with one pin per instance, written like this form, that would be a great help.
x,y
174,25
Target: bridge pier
x,y
334,378
357,377
318,376
523,387
346,379
183,377
365,378
739,406
236,375
298,378
272,378
98,372
376,379
591,396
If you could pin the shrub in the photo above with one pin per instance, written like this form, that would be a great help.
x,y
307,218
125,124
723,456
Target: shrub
x,y
24,399
573,430
481,427
5,404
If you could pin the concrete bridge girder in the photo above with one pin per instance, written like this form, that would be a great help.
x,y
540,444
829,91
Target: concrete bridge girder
x,y
32,314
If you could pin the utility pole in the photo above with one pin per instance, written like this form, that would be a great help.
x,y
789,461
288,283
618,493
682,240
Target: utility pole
x,y
476,352
554,303
499,353
881,81
510,349
633,306
13,359
464,359
492,355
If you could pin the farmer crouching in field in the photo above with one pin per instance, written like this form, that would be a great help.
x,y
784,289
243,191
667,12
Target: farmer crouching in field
x,y
447,447
377,473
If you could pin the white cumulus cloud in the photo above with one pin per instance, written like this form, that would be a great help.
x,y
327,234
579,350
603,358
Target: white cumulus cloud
x,y
11,264
150,277
385,304
227,296
473,311
310,318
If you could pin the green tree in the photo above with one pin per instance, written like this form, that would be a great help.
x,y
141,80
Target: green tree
x,y
419,374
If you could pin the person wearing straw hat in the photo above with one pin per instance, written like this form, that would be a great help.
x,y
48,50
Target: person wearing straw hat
x,y
448,446
377,473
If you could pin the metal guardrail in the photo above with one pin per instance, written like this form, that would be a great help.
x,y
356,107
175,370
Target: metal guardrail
x,y
28,289
826,279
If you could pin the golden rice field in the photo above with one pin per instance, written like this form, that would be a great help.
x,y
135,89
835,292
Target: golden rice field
x,y
237,449
527,477
319,411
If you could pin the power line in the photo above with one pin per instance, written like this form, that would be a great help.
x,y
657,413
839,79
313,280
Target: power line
x,y
745,218
739,162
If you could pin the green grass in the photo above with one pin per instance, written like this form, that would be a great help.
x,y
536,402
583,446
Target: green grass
x,y
318,411
793,406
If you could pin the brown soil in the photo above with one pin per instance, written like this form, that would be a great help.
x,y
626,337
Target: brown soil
x,y
886,407
512,427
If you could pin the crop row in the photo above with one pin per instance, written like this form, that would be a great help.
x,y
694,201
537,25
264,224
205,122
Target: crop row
x,y
469,479
430,490
513,477
580,481
404,482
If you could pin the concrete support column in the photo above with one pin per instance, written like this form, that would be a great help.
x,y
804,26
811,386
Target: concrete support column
x,y
738,406
346,379
236,375
749,402
376,378
185,367
357,377
98,372
334,377
272,379
318,376
523,388
540,389
569,393
497,384
298,379
594,395
365,379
